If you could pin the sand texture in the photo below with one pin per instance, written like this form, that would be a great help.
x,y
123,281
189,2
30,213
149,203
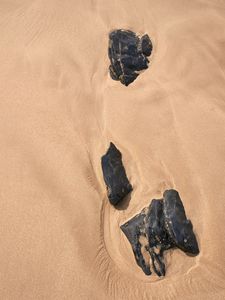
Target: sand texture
x,y
59,109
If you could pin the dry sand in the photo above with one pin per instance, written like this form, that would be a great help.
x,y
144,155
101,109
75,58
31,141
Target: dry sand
x,y
59,109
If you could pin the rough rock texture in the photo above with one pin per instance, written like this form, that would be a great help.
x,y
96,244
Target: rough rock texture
x,y
117,183
128,55
164,226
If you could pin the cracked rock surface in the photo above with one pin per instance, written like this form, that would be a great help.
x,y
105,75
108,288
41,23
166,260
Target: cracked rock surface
x,y
163,225
128,55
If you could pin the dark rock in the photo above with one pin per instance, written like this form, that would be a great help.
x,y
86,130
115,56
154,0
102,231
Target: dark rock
x,y
146,45
117,183
179,227
133,231
157,236
164,225
127,53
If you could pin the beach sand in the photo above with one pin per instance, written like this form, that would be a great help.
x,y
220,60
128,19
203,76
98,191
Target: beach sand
x,y
59,109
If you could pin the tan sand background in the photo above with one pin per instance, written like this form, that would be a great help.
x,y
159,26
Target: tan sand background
x,y
59,109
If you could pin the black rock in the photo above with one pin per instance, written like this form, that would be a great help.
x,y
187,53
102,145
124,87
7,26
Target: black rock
x,y
133,231
146,45
179,227
117,183
128,55
164,226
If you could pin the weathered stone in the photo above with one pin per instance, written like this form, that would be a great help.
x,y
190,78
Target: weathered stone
x,y
133,231
164,225
117,183
179,227
128,55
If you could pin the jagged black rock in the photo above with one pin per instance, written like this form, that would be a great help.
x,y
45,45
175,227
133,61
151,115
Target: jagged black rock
x,y
128,55
117,183
163,225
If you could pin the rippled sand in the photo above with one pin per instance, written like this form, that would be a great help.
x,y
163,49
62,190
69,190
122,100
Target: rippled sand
x,y
59,109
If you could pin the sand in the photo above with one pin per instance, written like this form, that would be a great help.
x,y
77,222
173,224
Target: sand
x,y
59,109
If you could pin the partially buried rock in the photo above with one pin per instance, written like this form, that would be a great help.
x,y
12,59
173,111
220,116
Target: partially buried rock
x,y
163,225
117,183
178,226
128,55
